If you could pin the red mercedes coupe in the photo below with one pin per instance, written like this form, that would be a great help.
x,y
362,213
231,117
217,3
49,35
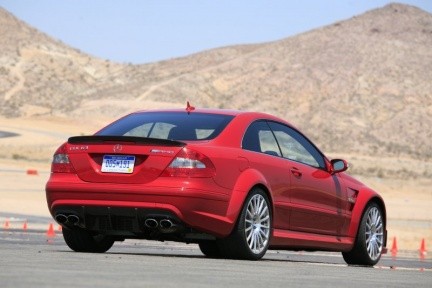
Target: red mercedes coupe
x,y
236,183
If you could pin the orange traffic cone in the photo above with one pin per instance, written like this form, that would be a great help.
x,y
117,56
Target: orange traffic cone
x,y
394,248
6,224
32,172
422,249
25,226
50,233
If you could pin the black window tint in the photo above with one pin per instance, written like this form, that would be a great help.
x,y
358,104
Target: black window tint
x,y
169,125
295,146
259,138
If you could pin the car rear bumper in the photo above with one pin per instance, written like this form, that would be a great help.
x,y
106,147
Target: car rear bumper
x,y
101,205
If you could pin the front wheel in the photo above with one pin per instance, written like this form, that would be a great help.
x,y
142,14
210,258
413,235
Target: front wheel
x,y
369,243
251,236
81,240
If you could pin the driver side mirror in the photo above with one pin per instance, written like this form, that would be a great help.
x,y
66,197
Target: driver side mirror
x,y
338,165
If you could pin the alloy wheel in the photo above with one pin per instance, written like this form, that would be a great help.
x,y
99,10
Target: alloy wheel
x,y
374,233
257,224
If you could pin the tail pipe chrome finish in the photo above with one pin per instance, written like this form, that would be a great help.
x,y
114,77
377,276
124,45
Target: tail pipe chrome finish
x,y
73,219
166,224
151,223
61,218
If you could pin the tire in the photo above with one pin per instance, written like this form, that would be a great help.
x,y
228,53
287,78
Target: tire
x,y
80,240
251,236
210,249
369,243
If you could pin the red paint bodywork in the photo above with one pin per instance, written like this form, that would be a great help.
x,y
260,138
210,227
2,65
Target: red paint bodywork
x,y
310,206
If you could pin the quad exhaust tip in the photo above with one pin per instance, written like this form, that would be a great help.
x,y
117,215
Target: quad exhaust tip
x,y
151,223
167,226
73,219
63,219
164,225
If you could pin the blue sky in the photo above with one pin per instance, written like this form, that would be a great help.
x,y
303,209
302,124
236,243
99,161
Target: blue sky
x,y
152,30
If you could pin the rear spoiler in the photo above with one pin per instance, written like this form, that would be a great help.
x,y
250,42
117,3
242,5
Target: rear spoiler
x,y
132,139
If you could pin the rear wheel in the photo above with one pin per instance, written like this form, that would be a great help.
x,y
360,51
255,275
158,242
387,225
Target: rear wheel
x,y
210,249
83,241
251,236
370,238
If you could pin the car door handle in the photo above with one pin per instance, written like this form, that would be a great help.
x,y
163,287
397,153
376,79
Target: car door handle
x,y
297,173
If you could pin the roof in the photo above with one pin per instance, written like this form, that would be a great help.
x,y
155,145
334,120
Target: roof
x,y
231,112
199,110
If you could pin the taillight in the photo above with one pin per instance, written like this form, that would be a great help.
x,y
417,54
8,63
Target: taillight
x,y
189,163
61,163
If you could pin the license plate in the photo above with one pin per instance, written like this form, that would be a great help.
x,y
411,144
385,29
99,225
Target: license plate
x,y
118,164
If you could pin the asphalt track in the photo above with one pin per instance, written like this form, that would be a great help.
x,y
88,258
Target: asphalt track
x,y
28,258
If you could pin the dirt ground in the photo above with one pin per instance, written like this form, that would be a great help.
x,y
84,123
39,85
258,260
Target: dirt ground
x,y
408,201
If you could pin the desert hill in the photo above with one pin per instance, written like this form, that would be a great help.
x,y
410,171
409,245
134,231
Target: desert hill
x,y
362,85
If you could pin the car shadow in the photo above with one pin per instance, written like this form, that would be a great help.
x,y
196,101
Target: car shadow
x,y
185,255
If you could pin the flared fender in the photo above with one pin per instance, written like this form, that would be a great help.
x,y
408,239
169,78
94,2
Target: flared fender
x,y
364,197
247,180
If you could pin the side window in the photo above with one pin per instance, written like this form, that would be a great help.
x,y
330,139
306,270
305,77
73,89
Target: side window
x,y
296,147
259,138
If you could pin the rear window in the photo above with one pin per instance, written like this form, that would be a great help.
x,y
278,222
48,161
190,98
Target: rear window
x,y
169,125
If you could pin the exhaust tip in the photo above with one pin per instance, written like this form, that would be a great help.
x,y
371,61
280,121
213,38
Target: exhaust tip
x,y
61,218
166,224
73,219
151,223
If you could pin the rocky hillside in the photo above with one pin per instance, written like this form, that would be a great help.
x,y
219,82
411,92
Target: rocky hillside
x,y
362,85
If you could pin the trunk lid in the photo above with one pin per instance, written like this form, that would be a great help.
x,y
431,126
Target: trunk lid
x,y
120,159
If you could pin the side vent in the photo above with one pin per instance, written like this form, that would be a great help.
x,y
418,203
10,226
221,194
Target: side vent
x,y
352,198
